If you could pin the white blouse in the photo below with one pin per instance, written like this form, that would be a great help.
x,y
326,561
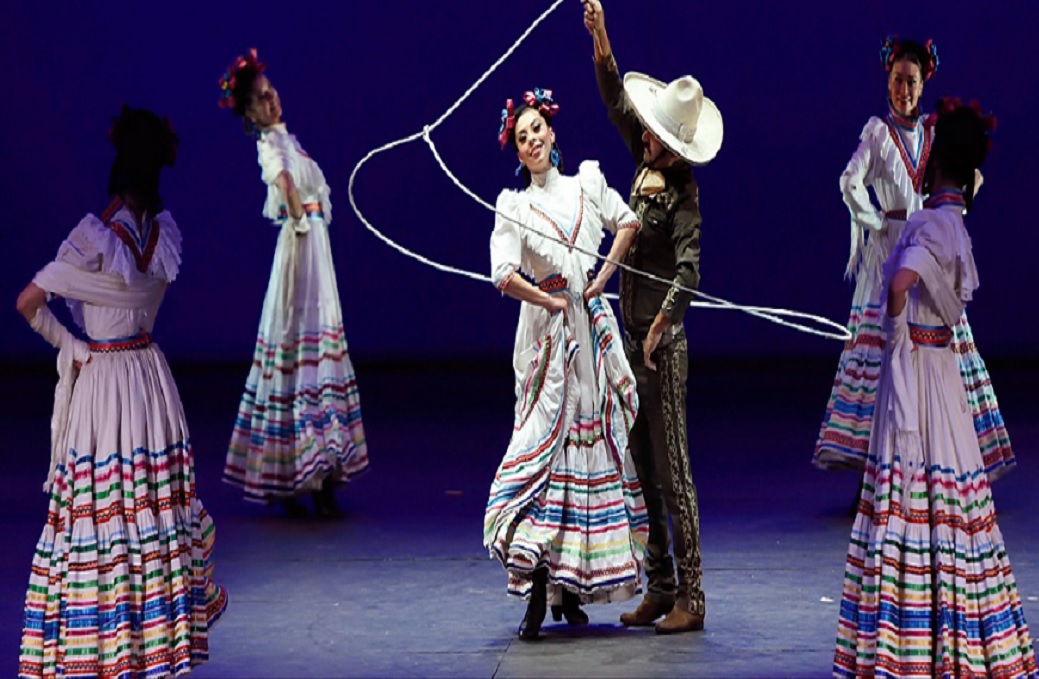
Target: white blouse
x,y
555,208
891,159
278,151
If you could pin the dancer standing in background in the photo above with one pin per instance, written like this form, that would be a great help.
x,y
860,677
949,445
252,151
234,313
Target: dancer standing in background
x,y
891,159
121,583
928,589
299,424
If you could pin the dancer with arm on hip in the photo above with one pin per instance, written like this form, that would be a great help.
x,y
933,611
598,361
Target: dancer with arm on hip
x,y
928,588
891,159
565,515
121,582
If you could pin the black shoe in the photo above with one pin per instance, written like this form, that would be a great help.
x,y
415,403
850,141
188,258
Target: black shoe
x,y
571,609
325,500
530,628
294,509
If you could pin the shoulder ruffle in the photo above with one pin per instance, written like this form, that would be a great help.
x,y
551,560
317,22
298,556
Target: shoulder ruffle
x,y
274,154
513,204
81,247
166,262
117,258
873,128
592,180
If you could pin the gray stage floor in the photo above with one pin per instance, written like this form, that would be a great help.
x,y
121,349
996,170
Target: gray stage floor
x,y
401,586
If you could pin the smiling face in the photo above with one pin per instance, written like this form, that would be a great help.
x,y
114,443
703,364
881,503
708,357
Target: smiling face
x,y
265,106
905,84
534,141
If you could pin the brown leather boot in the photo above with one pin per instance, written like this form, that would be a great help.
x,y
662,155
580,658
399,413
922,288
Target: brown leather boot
x,y
647,613
680,620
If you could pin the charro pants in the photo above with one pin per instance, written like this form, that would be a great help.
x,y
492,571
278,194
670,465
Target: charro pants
x,y
659,449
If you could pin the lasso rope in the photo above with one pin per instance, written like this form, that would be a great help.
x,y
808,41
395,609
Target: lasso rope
x,y
774,315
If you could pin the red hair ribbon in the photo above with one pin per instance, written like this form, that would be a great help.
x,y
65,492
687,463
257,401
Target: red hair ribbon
x,y
508,122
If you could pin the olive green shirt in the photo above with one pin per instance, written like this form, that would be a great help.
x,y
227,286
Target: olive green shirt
x,y
668,244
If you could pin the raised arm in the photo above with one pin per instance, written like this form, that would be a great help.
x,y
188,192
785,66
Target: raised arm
x,y
611,87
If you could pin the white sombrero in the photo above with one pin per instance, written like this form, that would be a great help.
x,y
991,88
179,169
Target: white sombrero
x,y
678,114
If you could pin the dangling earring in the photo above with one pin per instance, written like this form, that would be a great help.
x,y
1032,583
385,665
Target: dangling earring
x,y
251,128
519,168
554,157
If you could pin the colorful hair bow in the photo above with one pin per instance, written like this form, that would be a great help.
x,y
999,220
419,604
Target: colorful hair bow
x,y
230,77
932,66
508,122
542,101
888,51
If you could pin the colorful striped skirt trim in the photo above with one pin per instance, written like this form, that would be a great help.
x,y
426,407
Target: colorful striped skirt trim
x,y
299,420
928,588
843,438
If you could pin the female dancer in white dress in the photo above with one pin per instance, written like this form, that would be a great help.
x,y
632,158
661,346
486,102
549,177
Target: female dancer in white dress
x,y
299,424
928,589
121,582
891,159
565,515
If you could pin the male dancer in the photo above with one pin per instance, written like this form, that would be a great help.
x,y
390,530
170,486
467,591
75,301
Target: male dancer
x,y
667,128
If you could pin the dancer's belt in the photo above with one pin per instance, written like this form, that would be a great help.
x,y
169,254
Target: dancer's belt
x,y
900,215
107,346
937,336
552,283
309,210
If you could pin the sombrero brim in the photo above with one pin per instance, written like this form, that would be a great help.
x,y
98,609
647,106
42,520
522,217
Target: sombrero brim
x,y
642,91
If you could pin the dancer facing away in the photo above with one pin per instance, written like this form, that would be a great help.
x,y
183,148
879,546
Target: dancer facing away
x,y
565,515
121,580
891,158
667,128
299,424
928,589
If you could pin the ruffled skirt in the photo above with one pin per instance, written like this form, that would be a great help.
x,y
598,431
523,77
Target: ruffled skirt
x,y
566,496
121,582
928,588
299,421
843,439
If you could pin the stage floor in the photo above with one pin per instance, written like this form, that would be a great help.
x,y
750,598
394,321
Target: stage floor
x,y
401,586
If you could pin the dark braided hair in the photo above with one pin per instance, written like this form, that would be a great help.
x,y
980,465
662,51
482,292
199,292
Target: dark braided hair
x,y
144,144
961,144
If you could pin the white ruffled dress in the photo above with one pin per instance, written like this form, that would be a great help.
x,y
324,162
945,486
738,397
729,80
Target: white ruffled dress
x,y
891,158
566,495
299,421
928,588
121,582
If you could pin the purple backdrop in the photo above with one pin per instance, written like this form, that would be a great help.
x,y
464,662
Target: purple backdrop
x,y
795,83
